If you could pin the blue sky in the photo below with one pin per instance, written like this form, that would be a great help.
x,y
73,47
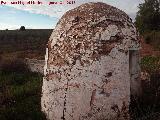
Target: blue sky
x,y
46,17
12,18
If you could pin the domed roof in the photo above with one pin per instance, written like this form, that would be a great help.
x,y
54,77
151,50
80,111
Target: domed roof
x,y
92,29
94,11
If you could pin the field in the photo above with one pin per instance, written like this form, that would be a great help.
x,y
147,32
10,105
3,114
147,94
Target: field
x,y
30,43
20,89
20,92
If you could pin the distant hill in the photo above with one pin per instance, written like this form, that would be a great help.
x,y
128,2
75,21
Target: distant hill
x,y
28,43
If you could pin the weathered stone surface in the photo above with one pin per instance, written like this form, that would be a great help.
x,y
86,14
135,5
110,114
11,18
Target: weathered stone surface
x,y
87,69
35,65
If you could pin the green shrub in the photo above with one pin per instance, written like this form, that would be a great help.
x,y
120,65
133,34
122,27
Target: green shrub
x,y
150,64
153,38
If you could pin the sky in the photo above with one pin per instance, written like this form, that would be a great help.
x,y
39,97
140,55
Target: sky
x,y
45,16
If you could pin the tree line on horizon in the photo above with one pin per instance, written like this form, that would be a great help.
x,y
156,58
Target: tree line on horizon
x,y
148,22
148,16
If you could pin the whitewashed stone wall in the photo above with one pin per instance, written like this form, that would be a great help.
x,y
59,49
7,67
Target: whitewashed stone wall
x,y
35,65
87,74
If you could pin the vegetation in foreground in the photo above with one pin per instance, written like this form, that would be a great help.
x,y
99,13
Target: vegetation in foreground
x,y
148,106
148,22
20,93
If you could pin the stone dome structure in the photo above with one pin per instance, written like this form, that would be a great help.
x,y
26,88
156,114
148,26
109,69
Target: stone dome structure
x,y
91,65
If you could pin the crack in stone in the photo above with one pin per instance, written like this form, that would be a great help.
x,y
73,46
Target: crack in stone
x,y
92,97
65,101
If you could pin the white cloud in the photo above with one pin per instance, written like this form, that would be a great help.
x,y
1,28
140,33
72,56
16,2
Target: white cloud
x,y
8,26
129,6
